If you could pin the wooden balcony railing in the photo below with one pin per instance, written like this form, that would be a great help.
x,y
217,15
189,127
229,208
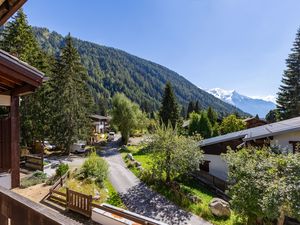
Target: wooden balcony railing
x,y
18,210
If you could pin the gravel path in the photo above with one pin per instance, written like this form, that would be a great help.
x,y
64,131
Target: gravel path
x,y
141,199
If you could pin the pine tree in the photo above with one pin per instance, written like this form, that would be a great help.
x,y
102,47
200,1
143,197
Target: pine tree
x,y
197,108
205,126
18,39
212,116
72,98
190,109
169,109
288,100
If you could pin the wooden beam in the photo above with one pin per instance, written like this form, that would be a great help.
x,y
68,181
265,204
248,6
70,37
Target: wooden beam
x,y
23,90
15,139
11,11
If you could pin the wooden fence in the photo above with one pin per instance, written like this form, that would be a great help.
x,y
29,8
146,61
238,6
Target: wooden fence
x,y
79,203
16,209
72,200
35,162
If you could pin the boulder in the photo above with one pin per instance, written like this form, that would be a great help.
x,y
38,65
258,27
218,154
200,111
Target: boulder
x,y
137,164
130,156
194,198
219,207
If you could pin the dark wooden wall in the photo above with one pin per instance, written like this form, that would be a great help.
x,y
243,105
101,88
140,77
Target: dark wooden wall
x,y
5,144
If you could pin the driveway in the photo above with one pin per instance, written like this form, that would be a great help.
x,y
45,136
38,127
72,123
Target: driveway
x,y
142,200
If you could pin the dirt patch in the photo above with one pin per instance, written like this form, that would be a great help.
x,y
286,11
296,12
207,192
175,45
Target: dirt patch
x,y
35,193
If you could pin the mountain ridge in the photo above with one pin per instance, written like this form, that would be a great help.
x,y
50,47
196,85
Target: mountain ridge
x,y
113,70
248,104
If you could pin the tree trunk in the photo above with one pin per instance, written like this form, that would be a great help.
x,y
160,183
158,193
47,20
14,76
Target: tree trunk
x,y
281,218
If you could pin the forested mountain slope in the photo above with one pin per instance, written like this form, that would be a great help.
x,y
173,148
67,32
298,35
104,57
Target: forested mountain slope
x,y
112,70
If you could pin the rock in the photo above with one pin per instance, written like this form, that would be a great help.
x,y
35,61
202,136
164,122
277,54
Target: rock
x,y
130,157
137,164
194,198
140,168
219,207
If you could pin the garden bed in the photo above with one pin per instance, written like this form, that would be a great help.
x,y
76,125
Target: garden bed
x,y
188,193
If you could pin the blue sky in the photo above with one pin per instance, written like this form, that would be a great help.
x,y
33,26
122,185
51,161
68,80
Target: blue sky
x,y
231,44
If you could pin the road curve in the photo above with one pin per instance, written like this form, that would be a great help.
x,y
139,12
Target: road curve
x,y
141,199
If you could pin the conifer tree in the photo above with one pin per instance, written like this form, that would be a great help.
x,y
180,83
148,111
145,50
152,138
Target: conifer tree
x,y
18,39
212,116
205,126
288,100
70,94
190,109
197,108
169,112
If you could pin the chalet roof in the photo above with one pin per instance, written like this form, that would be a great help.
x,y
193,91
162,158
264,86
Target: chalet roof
x,y
99,117
17,76
8,8
264,131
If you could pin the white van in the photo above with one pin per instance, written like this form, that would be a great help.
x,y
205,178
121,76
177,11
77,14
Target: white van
x,y
78,147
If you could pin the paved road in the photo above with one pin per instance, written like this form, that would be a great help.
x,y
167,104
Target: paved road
x,y
141,199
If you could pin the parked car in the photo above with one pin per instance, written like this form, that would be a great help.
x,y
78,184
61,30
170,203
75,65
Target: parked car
x,y
79,147
48,146
111,136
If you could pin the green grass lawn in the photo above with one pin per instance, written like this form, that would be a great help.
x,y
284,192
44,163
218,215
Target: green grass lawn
x,y
188,186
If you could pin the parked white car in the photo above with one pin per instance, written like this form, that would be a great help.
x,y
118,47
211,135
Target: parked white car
x,y
48,146
111,136
79,147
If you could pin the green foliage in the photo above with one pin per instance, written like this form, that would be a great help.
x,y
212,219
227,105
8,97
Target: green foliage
x,y
265,185
273,116
114,198
173,154
193,107
288,100
36,178
71,97
169,112
95,168
212,116
200,124
231,124
126,116
18,39
62,169
111,71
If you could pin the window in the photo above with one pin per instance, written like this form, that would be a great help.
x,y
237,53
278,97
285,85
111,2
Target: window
x,y
296,146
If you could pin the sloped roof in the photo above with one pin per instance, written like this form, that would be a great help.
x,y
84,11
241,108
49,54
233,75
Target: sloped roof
x,y
99,117
267,130
17,76
8,8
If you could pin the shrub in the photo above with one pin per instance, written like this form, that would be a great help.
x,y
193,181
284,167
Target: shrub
x,y
36,178
62,169
94,168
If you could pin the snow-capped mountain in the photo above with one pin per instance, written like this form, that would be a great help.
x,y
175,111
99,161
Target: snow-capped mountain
x,y
252,105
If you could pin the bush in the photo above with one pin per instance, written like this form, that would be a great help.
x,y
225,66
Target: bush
x,y
94,168
62,169
36,178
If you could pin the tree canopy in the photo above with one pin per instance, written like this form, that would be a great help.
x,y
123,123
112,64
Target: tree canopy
x,y
71,98
264,185
173,154
126,116
288,100
169,111
231,124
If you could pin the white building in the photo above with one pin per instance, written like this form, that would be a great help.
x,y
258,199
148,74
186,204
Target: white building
x,y
284,134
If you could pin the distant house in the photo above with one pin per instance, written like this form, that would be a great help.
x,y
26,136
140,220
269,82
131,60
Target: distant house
x,y
254,122
284,134
100,123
